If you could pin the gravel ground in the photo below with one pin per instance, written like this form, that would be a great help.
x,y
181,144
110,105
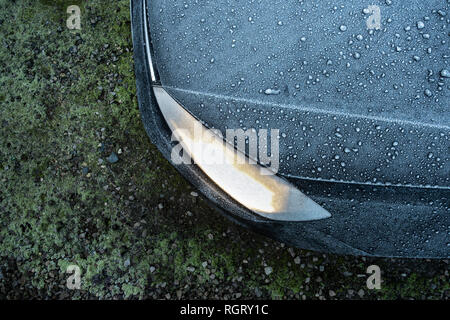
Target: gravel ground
x,y
80,183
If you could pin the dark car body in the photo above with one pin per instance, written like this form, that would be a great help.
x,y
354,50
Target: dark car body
x,y
364,114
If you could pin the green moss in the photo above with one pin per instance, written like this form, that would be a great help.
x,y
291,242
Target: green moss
x,y
285,281
412,287
58,7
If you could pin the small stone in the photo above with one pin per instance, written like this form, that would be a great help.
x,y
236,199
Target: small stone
x,y
113,158
420,25
268,270
127,263
332,293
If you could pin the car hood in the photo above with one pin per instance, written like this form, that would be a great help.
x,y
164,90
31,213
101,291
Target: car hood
x,y
352,104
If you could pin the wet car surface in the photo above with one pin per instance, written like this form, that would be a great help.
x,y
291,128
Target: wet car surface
x,y
362,113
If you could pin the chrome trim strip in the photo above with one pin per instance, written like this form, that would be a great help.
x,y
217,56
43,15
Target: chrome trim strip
x,y
147,43
253,186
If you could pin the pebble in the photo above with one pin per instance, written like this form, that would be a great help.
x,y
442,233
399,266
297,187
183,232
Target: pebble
x,y
113,158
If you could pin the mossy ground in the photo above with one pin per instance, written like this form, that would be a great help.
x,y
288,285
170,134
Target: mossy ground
x,y
67,101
